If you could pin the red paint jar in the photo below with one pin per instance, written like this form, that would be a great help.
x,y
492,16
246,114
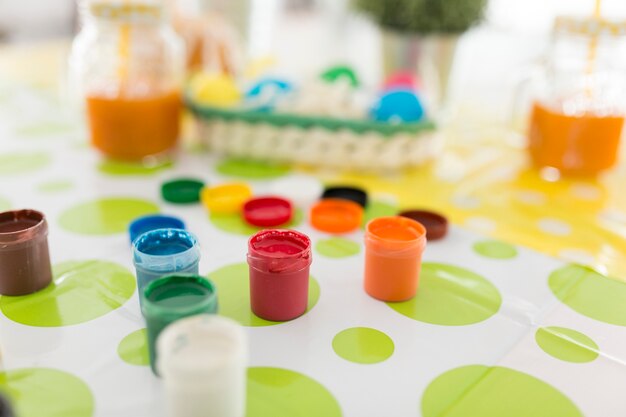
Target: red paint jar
x,y
279,262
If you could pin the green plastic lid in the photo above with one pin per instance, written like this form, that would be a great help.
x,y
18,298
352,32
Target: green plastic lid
x,y
182,190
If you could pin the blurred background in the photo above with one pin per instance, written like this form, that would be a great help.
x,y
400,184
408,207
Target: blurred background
x,y
308,35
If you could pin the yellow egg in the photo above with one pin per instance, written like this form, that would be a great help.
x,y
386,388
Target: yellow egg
x,y
218,90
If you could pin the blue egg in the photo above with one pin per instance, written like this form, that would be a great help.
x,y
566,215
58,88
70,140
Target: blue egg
x,y
265,94
398,106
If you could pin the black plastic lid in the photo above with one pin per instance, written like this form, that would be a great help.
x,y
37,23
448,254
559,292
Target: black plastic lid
x,y
358,195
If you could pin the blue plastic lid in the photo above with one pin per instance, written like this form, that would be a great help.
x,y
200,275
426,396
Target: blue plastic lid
x,y
145,224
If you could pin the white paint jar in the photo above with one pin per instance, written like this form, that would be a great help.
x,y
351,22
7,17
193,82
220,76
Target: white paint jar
x,y
202,360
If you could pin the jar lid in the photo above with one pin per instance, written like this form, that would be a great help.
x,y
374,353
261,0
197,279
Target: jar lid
x,y
334,215
436,225
182,190
358,195
149,223
267,211
589,26
225,198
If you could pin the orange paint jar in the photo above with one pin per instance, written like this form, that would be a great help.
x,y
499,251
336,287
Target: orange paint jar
x,y
574,144
133,128
393,257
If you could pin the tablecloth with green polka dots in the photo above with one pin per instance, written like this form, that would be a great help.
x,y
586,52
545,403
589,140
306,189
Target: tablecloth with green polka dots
x,y
496,329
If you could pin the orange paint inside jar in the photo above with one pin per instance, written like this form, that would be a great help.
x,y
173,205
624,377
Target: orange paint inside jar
x,y
132,128
574,144
393,257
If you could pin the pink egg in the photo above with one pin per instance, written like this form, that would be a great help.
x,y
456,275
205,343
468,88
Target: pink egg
x,y
402,80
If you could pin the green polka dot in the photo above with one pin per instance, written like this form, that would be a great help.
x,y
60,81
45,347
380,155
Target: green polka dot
x,y
378,209
44,129
44,392
105,216
363,345
495,249
4,204
55,186
234,294
254,170
81,291
590,293
337,247
478,390
449,295
276,392
566,344
234,223
21,163
113,167
133,349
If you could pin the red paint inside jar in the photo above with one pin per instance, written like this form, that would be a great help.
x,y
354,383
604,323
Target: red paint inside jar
x,y
279,262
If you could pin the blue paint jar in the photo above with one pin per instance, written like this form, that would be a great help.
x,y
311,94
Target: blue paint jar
x,y
162,252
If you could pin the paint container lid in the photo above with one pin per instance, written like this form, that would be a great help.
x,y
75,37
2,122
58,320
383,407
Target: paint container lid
x,y
144,224
300,189
436,225
182,190
334,215
267,211
5,408
202,346
358,195
226,198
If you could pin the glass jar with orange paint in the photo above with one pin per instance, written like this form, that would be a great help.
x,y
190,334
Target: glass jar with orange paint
x,y
127,65
579,98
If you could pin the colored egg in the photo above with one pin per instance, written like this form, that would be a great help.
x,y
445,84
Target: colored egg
x,y
218,90
402,80
266,93
340,72
398,106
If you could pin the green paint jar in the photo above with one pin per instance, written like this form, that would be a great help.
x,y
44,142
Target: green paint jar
x,y
172,298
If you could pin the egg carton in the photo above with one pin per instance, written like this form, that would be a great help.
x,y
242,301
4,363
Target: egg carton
x,y
318,141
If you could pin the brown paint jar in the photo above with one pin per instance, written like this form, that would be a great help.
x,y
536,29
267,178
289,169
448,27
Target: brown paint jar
x,y
24,257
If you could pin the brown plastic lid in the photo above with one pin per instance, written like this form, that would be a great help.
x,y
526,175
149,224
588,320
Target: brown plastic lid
x,y
436,224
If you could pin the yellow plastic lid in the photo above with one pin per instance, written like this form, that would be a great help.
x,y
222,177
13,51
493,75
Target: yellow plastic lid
x,y
226,198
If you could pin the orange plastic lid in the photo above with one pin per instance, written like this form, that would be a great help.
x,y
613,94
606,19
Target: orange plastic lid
x,y
336,216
